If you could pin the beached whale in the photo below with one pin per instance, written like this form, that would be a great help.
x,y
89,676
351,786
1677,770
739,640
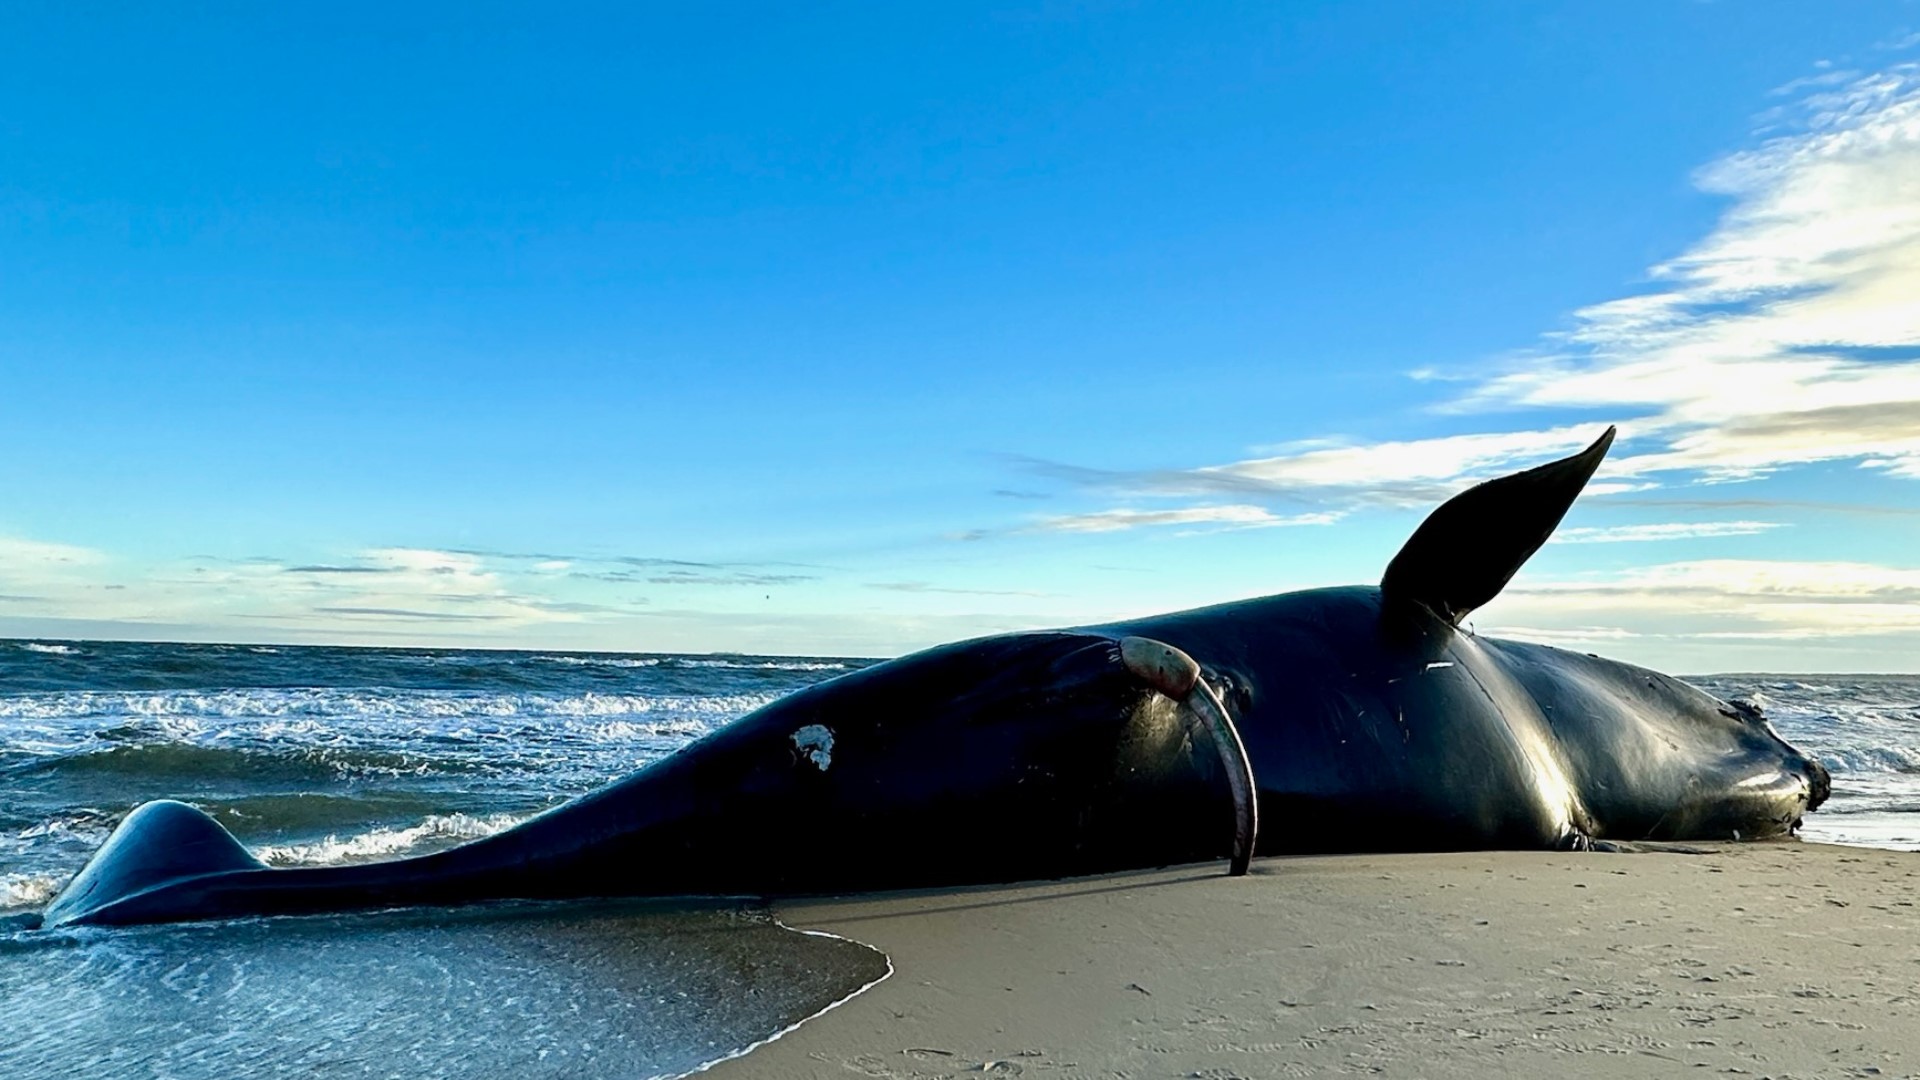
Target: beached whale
x,y
1345,719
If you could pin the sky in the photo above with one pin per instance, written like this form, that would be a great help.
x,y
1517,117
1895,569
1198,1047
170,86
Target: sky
x,y
853,329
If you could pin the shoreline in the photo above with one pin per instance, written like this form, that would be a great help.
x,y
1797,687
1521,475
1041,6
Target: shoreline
x,y
1767,959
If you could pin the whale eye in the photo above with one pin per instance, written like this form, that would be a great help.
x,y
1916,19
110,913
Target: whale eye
x,y
1234,691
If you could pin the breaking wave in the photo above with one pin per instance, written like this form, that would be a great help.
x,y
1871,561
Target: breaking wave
x,y
367,704
770,665
29,890
436,832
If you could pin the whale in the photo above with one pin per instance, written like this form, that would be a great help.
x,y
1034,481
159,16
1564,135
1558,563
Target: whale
x,y
1346,719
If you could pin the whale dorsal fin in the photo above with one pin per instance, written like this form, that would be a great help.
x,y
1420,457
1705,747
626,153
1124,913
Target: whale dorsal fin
x,y
1468,549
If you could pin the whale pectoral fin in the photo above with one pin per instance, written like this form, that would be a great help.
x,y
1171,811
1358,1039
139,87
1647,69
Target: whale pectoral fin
x,y
1468,549
161,843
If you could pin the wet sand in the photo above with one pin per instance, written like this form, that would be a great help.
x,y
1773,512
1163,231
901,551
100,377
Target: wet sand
x,y
1776,960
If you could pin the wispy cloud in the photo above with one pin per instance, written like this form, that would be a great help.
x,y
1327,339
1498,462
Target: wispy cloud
x,y
1568,635
1709,615
1413,472
1232,517
417,585
1347,474
1622,534
1766,503
1725,598
928,587
402,613
653,570
1788,336
695,577
20,555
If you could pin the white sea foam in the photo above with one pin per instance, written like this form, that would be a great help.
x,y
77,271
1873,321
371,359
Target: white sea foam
x,y
768,665
437,831
604,661
690,662
326,703
29,890
56,650
1870,759
90,830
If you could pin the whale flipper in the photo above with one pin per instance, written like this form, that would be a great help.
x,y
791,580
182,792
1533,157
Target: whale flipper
x,y
1468,549
161,843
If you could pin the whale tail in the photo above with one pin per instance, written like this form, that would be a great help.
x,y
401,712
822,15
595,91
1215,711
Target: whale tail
x,y
1468,549
161,844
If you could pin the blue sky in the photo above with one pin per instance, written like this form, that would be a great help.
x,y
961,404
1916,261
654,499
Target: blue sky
x,y
855,329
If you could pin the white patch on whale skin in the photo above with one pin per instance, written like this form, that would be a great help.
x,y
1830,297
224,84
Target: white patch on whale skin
x,y
815,741
1439,664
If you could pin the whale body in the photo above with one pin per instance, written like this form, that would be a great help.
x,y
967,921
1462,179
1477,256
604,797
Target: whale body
x,y
1328,720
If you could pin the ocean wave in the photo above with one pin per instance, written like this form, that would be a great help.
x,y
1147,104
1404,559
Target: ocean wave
x,y
719,663
201,763
437,831
323,702
58,840
53,650
29,890
768,665
1906,807
89,829
1869,759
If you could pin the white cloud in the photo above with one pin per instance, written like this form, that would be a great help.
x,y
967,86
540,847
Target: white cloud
x,y
1789,335
19,555
1726,598
927,587
1618,534
1345,474
1568,635
1449,460
384,585
424,584
1237,517
1720,615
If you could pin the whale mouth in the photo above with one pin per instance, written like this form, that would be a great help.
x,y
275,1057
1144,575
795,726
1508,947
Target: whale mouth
x,y
1173,673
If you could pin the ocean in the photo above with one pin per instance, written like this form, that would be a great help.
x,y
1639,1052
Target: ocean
x,y
325,755
316,755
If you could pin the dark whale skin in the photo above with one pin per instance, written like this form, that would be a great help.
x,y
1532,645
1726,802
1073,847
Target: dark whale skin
x,y
1371,721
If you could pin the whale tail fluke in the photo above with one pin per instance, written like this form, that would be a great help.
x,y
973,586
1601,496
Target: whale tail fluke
x,y
160,844
1468,549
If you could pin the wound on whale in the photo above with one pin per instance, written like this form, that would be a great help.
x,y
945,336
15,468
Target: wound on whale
x,y
1338,719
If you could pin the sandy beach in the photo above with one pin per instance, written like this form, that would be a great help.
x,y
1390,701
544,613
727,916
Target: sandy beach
x,y
1780,960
